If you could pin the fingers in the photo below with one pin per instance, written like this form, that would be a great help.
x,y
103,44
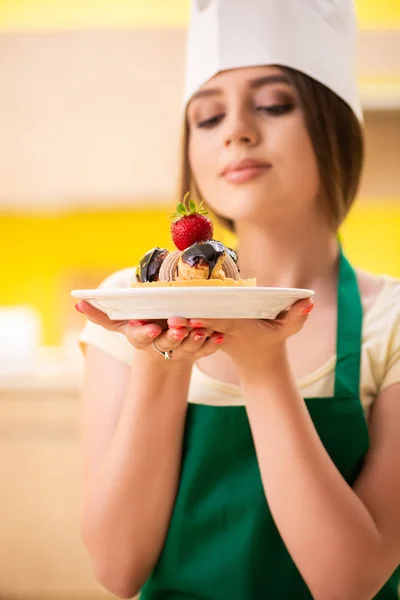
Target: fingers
x,y
221,325
177,322
195,340
176,333
139,333
187,341
181,322
199,342
298,315
171,339
212,344
93,314
88,310
302,307
189,344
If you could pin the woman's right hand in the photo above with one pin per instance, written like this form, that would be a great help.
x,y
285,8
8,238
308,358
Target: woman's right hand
x,y
188,344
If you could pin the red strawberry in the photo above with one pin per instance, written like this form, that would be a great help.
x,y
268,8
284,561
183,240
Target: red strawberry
x,y
191,225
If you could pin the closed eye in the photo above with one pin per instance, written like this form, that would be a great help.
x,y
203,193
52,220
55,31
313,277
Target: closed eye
x,y
276,109
273,110
208,123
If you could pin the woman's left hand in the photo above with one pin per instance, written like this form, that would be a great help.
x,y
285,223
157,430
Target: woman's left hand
x,y
247,340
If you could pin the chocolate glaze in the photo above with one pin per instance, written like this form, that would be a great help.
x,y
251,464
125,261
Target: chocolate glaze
x,y
202,253
150,264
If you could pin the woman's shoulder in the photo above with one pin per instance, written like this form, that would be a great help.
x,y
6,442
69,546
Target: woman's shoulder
x,y
380,296
381,330
119,279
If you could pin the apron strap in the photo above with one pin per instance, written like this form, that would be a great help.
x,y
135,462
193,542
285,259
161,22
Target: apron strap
x,y
349,331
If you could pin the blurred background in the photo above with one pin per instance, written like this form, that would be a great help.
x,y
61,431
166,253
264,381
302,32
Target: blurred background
x,y
90,121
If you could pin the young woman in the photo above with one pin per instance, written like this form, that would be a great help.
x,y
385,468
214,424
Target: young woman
x,y
280,478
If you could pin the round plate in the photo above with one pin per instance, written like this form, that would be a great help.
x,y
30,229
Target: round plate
x,y
193,303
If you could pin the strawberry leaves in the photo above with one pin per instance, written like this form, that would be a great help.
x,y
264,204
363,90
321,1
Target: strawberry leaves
x,y
188,207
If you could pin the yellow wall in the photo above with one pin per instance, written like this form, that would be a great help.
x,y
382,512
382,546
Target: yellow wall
x,y
44,257
42,14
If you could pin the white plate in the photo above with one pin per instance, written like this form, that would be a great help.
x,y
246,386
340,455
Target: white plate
x,y
197,303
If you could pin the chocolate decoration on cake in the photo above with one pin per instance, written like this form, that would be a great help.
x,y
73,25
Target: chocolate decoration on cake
x,y
204,253
232,254
229,267
150,265
169,267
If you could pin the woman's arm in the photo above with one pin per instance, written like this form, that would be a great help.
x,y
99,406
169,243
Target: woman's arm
x,y
133,423
344,541
132,429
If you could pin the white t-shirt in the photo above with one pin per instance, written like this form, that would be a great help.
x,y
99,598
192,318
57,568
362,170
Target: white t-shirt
x,y
380,356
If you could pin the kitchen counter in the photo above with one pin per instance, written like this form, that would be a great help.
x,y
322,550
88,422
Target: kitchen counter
x,y
54,370
41,552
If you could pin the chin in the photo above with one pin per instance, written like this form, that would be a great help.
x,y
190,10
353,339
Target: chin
x,y
244,204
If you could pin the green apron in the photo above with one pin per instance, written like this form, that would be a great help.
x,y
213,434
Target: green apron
x,y
222,542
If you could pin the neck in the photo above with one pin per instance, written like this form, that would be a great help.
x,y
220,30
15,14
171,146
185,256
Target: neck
x,y
297,254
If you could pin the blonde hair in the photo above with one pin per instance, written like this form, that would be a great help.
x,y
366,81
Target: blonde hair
x,y
338,141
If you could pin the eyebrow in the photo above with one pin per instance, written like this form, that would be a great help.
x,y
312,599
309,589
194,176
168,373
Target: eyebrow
x,y
254,84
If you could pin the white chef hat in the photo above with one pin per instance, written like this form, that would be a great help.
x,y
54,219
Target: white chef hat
x,y
316,37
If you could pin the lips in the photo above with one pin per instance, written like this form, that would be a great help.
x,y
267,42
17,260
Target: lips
x,y
244,170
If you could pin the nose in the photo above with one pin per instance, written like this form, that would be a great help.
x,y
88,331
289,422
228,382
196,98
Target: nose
x,y
241,132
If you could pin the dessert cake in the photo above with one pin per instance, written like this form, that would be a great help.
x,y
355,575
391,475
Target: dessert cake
x,y
199,260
